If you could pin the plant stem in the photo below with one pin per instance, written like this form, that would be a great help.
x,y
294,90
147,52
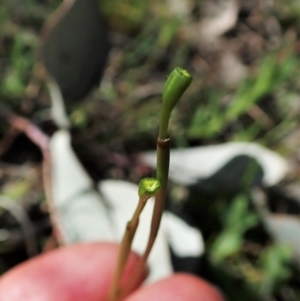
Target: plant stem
x,y
147,188
175,86
125,248
177,83
163,155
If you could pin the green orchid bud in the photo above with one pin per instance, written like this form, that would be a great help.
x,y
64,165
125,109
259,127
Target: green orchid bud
x,y
177,82
148,187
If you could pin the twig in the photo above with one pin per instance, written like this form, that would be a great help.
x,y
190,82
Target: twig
x,y
38,137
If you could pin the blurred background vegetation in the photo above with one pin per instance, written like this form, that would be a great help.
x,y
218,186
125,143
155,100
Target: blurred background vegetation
x,y
244,57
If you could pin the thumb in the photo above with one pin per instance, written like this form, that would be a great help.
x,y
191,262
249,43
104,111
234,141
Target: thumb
x,y
73,273
180,287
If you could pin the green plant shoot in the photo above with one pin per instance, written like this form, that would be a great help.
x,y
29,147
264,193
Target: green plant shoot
x,y
177,82
148,187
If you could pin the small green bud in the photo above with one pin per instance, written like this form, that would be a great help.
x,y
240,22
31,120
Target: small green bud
x,y
148,187
177,82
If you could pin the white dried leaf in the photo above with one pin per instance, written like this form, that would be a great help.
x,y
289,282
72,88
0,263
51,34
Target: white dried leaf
x,y
82,215
86,215
187,166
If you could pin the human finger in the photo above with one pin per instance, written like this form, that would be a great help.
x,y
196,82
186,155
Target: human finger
x,y
73,273
180,287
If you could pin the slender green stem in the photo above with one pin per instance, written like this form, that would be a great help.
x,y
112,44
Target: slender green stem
x,y
177,83
147,188
163,154
125,248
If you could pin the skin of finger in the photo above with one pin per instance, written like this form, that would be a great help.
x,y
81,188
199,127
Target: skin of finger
x,y
74,273
180,287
